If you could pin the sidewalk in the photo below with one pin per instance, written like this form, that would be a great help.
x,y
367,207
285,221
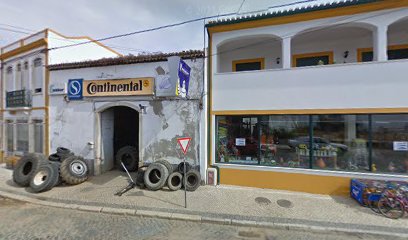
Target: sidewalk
x,y
222,204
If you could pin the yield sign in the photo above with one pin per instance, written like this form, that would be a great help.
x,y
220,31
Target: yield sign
x,y
184,143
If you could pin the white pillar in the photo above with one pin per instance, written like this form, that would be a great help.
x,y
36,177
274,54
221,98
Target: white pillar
x,y
286,53
380,43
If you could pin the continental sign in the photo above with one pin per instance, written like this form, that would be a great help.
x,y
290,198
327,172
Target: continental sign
x,y
122,87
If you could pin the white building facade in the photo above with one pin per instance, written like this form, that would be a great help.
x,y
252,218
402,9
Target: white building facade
x,y
97,126
25,78
308,96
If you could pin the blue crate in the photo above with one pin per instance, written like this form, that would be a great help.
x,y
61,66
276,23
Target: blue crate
x,y
357,189
374,197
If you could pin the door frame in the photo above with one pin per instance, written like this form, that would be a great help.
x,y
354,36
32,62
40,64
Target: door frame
x,y
98,131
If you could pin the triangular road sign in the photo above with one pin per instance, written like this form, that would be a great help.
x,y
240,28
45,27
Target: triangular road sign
x,y
184,143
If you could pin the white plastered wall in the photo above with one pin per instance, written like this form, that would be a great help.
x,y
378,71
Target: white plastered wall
x,y
74,124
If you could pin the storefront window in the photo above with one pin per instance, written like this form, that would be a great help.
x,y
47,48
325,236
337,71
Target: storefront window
x,y
390,143
352,143
340,142
238,140
282,140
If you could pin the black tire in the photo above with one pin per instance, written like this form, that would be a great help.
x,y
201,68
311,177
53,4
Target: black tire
x,y
181,169
65,155
167,165
155,176
26,167
74,170
63,150
54,157
44,179
193,179
57,166
130,158
175,181
391,207
140,177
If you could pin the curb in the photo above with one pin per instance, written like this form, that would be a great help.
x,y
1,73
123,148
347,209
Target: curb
x,y
202,219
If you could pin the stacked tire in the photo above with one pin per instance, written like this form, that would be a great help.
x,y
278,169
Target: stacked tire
x,y
161,173
42,174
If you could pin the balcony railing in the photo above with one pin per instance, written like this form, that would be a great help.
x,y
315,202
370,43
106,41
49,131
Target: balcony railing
x,y
18,99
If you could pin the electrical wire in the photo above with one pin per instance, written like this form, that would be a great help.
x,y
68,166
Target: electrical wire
x,y
173,25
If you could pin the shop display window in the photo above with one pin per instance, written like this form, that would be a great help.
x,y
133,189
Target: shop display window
x,y
351,143
340,142
390,143
238,140
278,144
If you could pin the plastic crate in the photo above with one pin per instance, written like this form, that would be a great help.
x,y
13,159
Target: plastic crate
x,y
357,188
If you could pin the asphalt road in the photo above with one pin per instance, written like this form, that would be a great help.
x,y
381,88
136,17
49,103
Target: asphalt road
x,y
20,220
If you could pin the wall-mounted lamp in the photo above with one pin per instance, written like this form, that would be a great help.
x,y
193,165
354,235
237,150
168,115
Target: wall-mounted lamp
x,y
278,60
346,53
142,108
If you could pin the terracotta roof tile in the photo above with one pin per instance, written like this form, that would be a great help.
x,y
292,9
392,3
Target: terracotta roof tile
x,y
130,59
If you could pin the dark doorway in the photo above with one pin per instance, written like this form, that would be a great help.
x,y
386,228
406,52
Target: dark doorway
x,y
126,128
119,128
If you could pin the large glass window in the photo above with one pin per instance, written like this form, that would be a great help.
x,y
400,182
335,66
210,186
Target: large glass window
x,y
390,143
282,141
360,143
340,142
238,139
38,136
22,136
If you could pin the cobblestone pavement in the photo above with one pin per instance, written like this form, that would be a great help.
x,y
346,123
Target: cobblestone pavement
x,y
27,221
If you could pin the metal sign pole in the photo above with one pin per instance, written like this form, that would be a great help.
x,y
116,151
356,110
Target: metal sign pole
x,y
185,182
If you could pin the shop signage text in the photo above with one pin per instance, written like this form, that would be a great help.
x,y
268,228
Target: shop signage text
x,y
122,87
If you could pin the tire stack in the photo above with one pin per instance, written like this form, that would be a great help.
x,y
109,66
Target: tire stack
x,y
42,174
161,173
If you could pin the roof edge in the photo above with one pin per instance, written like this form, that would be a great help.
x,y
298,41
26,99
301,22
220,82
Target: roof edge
x,y
296,11
125,60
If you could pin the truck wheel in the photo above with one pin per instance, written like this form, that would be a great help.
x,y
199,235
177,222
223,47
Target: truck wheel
x,y
44,179
63,150
192,180
155,176
140,177
167,165
130,158
74,170
26,167
181,169
175,181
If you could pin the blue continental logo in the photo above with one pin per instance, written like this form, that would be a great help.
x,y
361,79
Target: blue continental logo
x,y
75,89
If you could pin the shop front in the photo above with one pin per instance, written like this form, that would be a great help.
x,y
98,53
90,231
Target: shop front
x,y
313,153
123,104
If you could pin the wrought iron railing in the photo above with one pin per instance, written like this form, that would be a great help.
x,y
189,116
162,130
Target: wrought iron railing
x,y
19,98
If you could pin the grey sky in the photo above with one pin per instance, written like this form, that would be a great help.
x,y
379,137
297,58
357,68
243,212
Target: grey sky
x,y
103,18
